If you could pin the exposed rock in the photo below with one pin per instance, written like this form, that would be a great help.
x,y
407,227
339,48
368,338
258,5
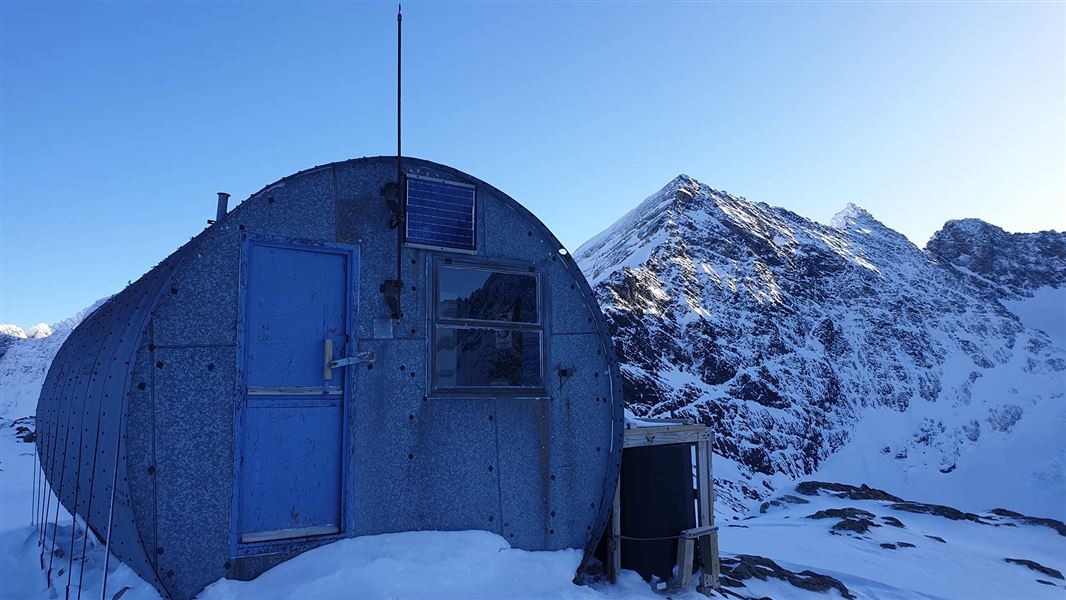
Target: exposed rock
x,y
781,501
745,566
843,490
842,513
24,429
1039,568
905,545
1013,262
854,525
893,521
888,546
1058,526
937,538
940,511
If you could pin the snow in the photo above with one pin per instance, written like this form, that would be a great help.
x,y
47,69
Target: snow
x,y
40,330
1046,311
437,565
969,566
12,330
429,565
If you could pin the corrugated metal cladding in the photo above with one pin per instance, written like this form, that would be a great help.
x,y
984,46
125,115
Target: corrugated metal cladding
x,y
169,374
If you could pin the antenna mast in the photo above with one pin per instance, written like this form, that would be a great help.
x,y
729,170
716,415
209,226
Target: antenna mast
x,y
394,192
399,80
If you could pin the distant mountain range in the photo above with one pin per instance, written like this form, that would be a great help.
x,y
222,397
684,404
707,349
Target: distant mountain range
x,y
843,349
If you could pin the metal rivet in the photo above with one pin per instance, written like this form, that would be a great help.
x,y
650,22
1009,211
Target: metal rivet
x,y
410,457
210,366
159,364
490,468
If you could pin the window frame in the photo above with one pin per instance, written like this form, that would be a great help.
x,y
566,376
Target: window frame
x,y
436,321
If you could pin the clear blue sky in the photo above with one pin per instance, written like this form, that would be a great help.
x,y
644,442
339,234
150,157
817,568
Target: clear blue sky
x,y
120,121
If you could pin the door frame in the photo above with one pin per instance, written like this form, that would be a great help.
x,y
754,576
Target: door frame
x,y
352,256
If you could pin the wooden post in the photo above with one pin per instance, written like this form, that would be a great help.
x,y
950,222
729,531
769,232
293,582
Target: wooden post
x,y
614,544
684,563
708,543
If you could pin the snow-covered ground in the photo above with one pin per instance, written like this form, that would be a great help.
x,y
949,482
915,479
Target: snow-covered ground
x,y
424,565
904,554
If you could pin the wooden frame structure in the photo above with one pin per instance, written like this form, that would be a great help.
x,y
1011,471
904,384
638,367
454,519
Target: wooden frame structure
x,y
657,432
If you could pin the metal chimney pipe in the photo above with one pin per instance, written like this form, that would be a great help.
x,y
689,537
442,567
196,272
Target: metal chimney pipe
x,y
223,206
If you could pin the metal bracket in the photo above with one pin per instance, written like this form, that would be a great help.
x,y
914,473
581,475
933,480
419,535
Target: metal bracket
x,y
359,357
331,364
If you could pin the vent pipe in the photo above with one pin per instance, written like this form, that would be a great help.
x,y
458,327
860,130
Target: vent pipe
x,y
223,206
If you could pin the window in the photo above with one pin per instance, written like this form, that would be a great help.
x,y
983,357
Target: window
x,y
488,332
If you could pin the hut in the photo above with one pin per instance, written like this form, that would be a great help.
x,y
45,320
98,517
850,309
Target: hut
x,y
352,350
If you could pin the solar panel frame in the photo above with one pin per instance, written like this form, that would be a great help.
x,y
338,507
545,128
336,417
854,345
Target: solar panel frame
x,y
431,202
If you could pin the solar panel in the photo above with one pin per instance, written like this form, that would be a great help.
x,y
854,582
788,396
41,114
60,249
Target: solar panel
x,y
440,214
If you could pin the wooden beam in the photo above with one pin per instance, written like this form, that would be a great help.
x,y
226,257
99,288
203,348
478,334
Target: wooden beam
x,y
666,434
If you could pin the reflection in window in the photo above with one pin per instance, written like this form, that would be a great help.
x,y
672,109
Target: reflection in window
x,y
487,295
487,358
487,331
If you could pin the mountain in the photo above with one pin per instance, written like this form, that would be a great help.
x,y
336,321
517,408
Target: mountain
x,y
24,360
842,348
1010,264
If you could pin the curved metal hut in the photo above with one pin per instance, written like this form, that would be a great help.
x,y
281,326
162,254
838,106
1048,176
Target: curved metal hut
x,y
270,387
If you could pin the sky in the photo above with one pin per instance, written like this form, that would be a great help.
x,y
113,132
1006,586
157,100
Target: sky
x,y
120,121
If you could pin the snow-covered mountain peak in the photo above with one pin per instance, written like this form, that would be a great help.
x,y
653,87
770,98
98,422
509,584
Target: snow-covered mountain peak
x,y
781,333
853,216
40,330
12,330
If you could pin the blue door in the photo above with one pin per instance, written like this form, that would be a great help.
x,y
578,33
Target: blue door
x,y
292,434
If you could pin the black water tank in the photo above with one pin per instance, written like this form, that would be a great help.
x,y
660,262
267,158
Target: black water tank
x,y
658,501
